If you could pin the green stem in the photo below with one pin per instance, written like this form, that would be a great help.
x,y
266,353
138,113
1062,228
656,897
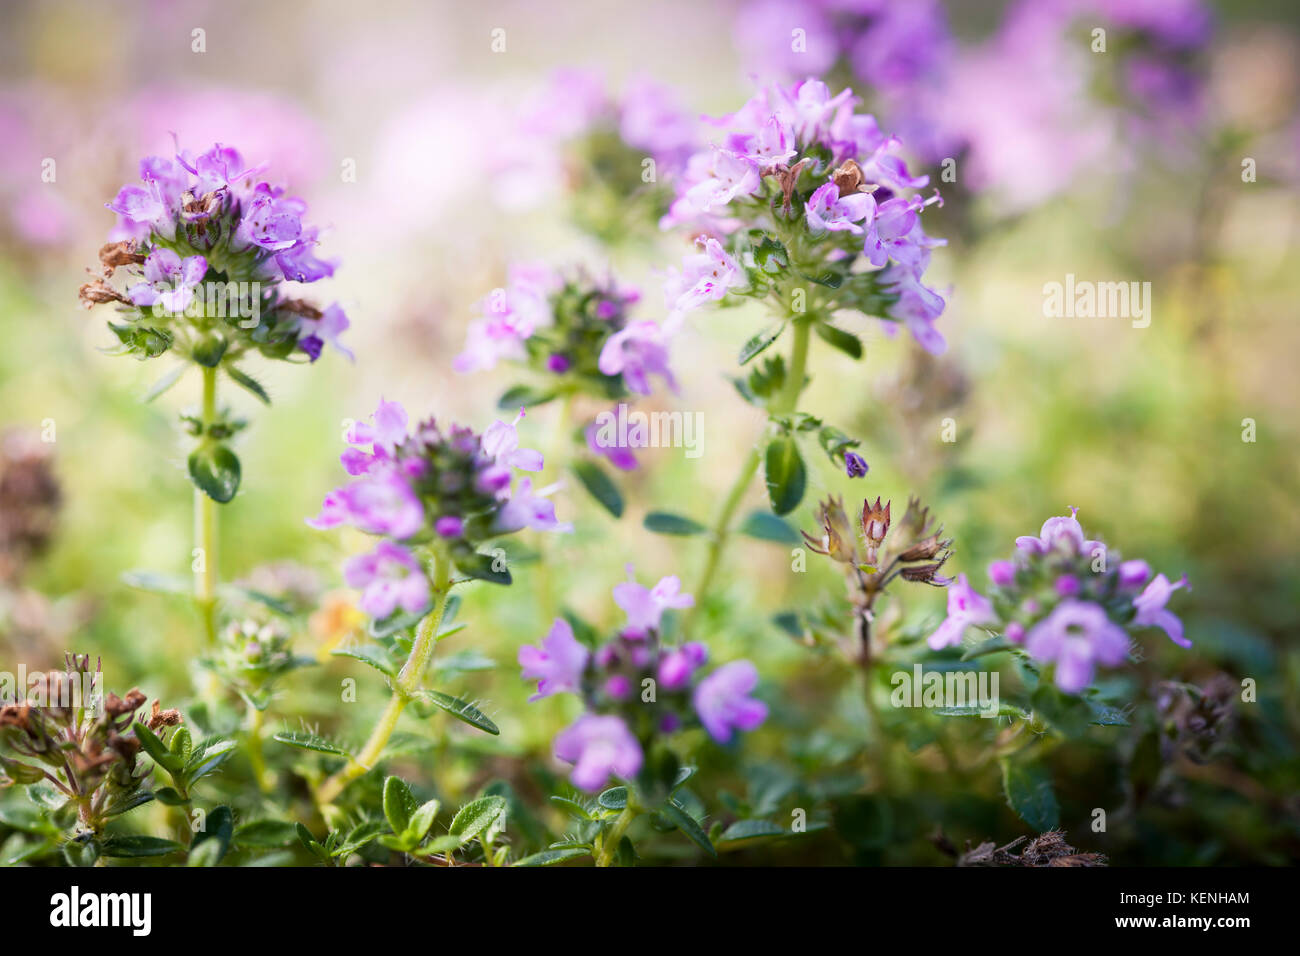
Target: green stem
x,y
205,527
557,451
255,758
408,681
609,846
786,403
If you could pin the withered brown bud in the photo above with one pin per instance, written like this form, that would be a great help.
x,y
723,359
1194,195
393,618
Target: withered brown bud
x,y
837,534
114,254
786,177
875,521
926,549
97,293
163,718
927,573
850,179
299,307
115,706
15,715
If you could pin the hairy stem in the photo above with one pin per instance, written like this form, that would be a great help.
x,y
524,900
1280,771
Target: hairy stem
x,y
609,846
786,403
408,681
205,528
255,720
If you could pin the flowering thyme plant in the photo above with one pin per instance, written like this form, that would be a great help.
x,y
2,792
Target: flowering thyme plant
x,y
433,497
638,690
211,251
1067,601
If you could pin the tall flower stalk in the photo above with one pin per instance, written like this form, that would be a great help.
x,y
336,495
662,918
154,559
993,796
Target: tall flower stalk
x,y
208,249
802,204
433,496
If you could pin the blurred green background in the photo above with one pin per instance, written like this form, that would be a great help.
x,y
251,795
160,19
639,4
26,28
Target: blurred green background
x,y
1141,429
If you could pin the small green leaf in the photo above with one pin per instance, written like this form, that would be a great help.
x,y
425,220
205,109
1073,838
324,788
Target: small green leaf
x,y
662,522
212,842
476,816
156,582
209,350
574,808
309,742
133,846
246,381
757,344
460,709
156,749
265,833
786,476
768,527
524,396
166,381
748,831
483,567
600,486
551,857
399,804
845,341
369,654
1029,791
615,798
421,820
677,814
214,469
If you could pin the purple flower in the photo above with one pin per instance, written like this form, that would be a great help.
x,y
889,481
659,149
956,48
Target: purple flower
x,y
645,606
270,221
718,177
391,577
449,526
1134,574
636,352
966,608
299,263
1067,585
383,433
1077,636
524,509
381,503
169,281
510,317
501,444
620,456
705,277
677,666
332,323
1151,610
558,664
723,703
855,465
1062,531
828,211
1002,573
598,746
143,208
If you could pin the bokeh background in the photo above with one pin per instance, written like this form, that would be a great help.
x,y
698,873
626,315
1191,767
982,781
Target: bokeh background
x,y
1067,161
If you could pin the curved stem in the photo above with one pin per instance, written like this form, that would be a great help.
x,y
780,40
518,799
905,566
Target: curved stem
x,y
205,528
408,681
786,403
609,846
